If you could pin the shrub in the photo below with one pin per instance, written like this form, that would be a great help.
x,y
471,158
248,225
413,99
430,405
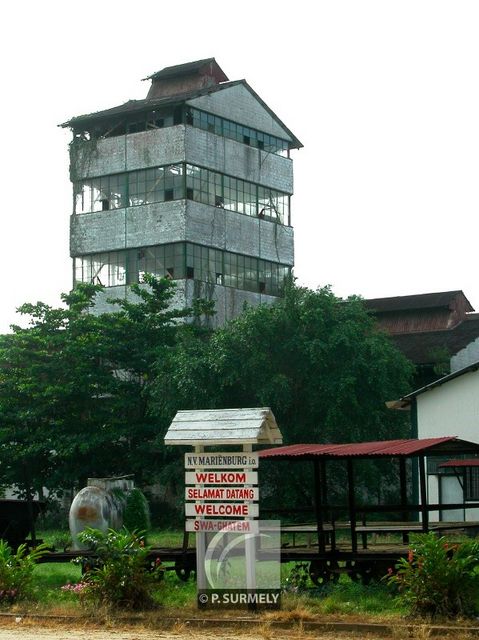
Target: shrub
x,y
61,540
16,571
122,577
298,578
137,513
438,578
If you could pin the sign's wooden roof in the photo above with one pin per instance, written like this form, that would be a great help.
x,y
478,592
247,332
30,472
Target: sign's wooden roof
x,y
224,426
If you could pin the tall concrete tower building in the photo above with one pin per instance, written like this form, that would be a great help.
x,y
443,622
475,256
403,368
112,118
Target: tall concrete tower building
x,y
192,183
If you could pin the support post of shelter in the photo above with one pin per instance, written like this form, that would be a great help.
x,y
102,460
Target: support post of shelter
x,y
318,503
352,505
324,493
403,491
423,491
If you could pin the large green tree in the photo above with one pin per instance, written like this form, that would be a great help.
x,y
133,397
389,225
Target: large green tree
x,y
319,362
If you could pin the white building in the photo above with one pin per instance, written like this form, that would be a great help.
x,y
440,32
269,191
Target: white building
x,y
449,407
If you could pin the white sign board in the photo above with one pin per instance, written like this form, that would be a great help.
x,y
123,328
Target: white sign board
x,y
227,460
237,526
221,493
222,509
221,477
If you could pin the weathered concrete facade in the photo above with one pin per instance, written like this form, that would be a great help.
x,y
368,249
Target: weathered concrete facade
x,y
191,214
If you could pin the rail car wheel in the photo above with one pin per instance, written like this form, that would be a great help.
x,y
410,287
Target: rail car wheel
x,y
381,568
360,570
323,571
182,570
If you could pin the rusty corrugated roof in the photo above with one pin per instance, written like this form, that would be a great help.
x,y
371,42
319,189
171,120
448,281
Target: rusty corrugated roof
x,y
420,347
472,462
384,448
416,301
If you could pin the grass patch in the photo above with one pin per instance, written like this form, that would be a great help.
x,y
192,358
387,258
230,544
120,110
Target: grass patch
x,y
49,578
344,597
176,594
168,538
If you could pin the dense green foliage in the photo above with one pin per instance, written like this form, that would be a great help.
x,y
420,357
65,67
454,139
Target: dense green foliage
x,y
438,578
84,395
16,571
74,389
319,362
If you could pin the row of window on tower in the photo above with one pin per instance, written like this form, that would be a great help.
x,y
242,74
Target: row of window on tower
x,y
179,181
235,131
179,261
195,117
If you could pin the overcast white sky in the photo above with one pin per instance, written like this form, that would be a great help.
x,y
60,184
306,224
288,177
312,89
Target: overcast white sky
x,y
384,95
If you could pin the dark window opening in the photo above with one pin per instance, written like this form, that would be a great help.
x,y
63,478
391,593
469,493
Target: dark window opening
x,y
178,115
157,123
260,144
189,193
262,287
471,488
219,201
168,195
189,117
105,204
135,127
190,273
246,139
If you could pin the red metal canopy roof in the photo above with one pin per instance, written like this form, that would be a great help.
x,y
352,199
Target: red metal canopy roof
x,y
473,462
384,448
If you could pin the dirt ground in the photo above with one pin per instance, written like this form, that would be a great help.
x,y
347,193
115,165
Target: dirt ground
x,y
22,630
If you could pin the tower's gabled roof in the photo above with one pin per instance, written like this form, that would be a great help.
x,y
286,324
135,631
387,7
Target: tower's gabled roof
x,y
190,68
206,67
